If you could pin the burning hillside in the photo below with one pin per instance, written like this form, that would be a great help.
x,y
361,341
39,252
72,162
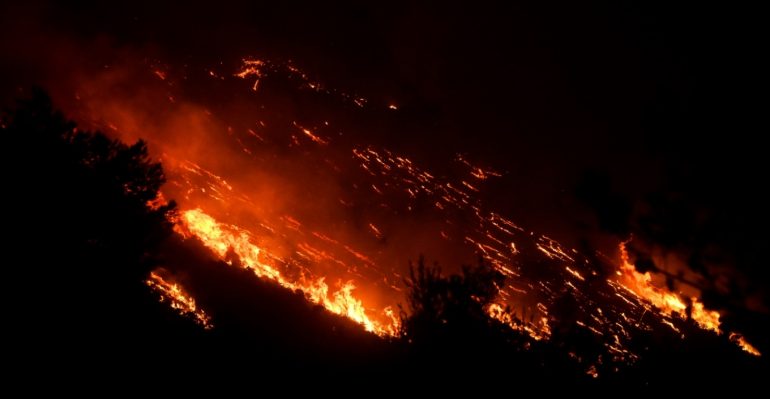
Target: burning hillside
x,y
314,157
305,204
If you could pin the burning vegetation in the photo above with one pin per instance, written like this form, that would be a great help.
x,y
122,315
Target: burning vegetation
x,y
173,294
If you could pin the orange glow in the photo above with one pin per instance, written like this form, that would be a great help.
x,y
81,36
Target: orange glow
x,y
178,299
222,238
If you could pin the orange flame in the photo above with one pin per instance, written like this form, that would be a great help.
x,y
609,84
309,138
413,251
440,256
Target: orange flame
x,y
538,332
222,238
745,345
178,299
667,302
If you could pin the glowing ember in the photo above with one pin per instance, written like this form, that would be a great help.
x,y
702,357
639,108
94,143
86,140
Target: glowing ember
x,y
592,372
669,303
310,134
178,299
252,68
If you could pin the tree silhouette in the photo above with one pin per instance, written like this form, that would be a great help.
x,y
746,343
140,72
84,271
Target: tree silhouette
x,y
453,305
79,215
88,191
448,332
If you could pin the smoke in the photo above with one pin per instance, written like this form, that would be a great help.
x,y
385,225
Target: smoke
x,y
243,156
699,232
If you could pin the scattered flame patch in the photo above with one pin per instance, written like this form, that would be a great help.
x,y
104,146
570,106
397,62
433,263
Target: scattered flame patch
x,y
745,345
539,331
178,299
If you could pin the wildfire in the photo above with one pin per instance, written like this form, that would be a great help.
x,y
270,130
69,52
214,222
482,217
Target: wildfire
x,y
222,239
378,191
178,299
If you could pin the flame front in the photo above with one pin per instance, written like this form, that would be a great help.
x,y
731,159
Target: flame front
x,y
222,239
667,302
